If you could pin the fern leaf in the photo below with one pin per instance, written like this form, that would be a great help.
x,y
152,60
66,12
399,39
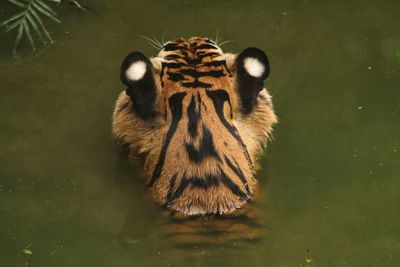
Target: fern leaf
x,y
40,22
16,16
17,3
18,38
29,35
35,26
44,11
30,17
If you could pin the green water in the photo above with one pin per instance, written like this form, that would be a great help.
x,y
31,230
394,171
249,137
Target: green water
x,y
330,180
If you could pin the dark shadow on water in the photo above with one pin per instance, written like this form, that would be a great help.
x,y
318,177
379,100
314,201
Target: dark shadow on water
x,y
190,233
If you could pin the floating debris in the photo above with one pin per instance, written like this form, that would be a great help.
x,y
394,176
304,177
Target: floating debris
x,y
308,261
26,250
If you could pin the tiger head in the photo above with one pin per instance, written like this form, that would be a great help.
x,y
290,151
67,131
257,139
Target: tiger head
x,y
199,117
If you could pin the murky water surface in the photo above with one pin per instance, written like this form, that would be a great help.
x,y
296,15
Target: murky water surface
x,y
329,182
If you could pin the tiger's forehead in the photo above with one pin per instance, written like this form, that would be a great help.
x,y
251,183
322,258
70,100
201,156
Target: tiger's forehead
x,y
193,63
194,47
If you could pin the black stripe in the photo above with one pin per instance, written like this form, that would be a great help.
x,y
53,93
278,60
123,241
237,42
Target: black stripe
x,y
201,55
173,56
215,63
182,186
238,172
194,116
175,65
227,69
206,148
209,180
190,61
173,47
219,97
162,74
206,46
175,104
205,182
196,84
233,187
176,76
193,47
193,61
171,188
198,74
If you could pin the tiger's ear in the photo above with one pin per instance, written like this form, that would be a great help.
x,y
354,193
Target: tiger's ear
x,y
137,74
251,68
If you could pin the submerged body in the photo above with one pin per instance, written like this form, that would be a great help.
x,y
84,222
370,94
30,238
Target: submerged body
x,y
199,117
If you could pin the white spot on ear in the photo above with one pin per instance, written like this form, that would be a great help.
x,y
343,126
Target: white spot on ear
x,y
136,71
254,67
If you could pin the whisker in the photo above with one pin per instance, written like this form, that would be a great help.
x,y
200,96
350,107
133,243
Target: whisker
x,y
152,42
162,38
157,41
228,41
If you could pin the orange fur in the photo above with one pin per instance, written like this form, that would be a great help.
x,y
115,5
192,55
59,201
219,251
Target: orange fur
x,y
147,136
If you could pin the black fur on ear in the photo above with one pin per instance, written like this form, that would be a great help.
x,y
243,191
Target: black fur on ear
x,y
252,68
137,75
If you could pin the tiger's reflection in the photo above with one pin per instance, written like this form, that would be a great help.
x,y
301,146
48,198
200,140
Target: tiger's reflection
x,y
245,227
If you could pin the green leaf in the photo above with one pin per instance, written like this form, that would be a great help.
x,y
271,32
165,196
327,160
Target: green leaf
x,y
14,25
29,35
45,6
398,55
39,20
34,26
18,39
15,2
45,12
29,18
16,16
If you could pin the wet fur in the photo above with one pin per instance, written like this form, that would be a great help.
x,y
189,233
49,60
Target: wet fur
x,y
201,129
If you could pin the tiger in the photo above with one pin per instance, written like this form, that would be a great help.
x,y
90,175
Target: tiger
x,y
199,119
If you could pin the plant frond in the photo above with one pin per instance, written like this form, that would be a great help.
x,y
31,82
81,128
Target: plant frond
x,y
29,35
46,7
16,16
35,27
18,38
43,28
45,11
30,18
17,3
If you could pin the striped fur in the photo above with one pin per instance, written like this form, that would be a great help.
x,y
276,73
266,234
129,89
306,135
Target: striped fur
x,y
199,133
